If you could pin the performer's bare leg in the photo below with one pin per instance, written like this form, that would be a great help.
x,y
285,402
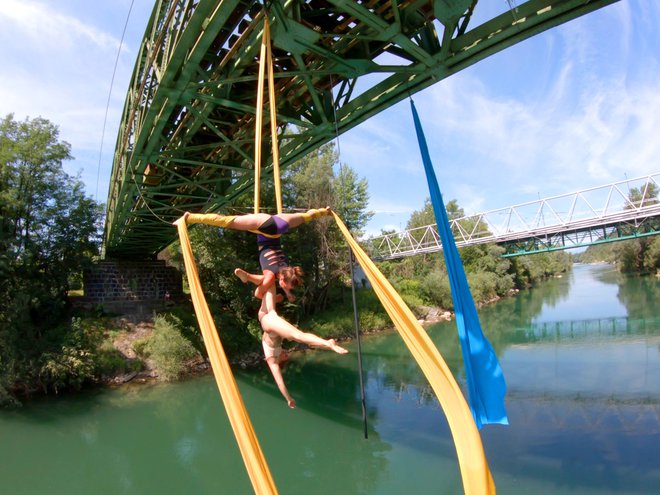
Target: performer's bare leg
x,y
246,277
272,322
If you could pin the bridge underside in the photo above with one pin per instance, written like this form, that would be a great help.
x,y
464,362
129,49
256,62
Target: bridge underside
x,y
186,141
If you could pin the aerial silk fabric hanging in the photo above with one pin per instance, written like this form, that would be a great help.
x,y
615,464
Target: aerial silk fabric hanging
x,y
476,476
266,64
485,379
253,457
475,473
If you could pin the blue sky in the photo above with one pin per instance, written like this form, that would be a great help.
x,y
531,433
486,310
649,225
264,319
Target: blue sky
x,y
575,107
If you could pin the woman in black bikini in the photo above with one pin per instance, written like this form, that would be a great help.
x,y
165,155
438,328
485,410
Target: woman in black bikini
x,y
277,328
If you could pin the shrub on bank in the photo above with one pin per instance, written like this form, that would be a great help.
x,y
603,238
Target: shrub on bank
x,y
167,348
72,361
435,287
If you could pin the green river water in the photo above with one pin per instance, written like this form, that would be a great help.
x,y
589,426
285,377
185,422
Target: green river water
x,y
581,356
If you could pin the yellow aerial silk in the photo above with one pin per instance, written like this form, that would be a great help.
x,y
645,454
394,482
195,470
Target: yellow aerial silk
x,y
476,476
266,60
253,457
471,457
475,473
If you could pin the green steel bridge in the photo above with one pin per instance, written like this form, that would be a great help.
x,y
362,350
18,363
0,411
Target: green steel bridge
x,y
186,139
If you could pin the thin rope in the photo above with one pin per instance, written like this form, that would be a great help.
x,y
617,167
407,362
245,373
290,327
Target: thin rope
x,y
513,8
351,259
107,105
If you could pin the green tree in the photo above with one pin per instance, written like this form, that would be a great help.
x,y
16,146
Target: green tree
x,y
351,197
217,253
635,255
315,246
638,255
489,274
426,216
630,255
463,227
308,182
643,196
652,256
423,217
49,230
318,246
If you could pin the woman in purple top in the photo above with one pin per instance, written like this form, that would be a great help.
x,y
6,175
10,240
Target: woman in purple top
x,y
269,228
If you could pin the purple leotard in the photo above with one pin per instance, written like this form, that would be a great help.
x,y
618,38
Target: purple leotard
x,y
271,255
273,227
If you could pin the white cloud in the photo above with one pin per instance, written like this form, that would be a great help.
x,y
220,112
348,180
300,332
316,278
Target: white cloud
x,y
58,61
58,67
48,28
591,127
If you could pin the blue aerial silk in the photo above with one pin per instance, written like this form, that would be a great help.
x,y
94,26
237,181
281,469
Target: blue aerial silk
x,y
485,380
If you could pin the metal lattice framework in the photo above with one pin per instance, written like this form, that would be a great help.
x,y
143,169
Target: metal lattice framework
x,y
616,211
186,140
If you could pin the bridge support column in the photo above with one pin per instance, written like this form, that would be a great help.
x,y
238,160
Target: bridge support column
x,y
131,286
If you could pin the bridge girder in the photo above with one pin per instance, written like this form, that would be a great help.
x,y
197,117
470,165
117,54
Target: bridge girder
x,y
602,234
186,141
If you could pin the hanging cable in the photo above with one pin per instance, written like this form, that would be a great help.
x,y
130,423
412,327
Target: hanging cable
x,y
146,203
356,315
107,105
356,320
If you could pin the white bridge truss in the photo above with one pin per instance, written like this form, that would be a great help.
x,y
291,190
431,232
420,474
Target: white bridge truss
x,y
585,217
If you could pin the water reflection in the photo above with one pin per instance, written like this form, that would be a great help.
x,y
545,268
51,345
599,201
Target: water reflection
x,y
583,394
323,447
639,296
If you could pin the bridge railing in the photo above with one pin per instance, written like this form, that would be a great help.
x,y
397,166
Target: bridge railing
x,y
623,201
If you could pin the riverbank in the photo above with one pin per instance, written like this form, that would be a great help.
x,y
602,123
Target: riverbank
x,y
127,334
112,350
133,332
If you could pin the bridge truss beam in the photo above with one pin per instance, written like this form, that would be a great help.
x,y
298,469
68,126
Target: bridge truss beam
x,y
186,140
613,212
